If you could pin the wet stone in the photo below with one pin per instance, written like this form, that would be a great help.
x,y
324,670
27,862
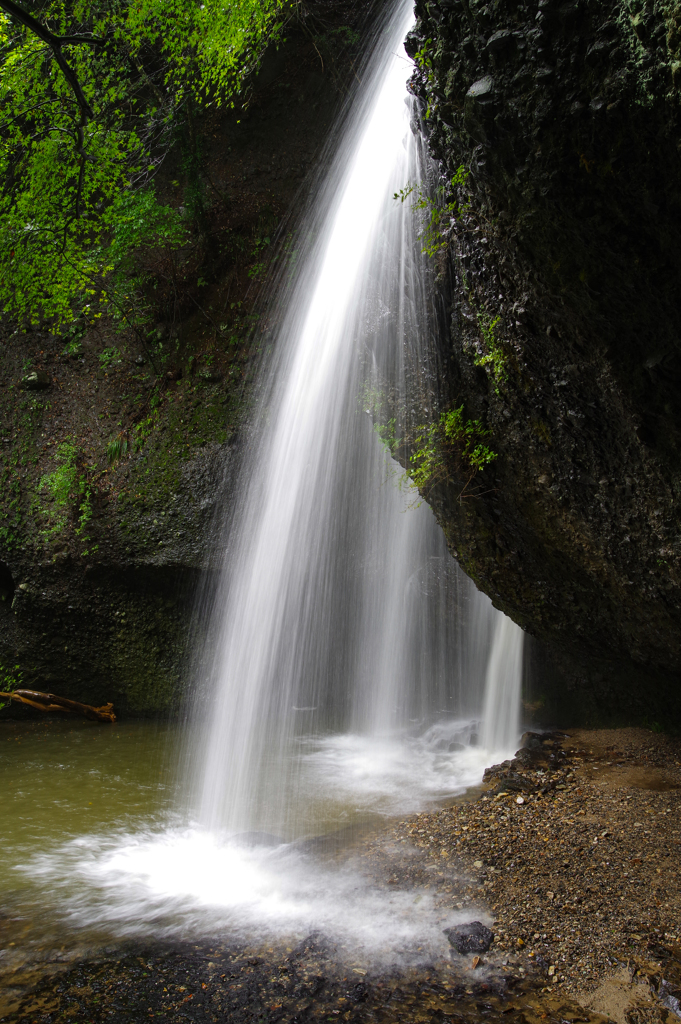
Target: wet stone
x,y
470,938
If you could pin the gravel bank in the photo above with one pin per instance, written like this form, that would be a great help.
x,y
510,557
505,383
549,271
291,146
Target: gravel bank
x,y
573,848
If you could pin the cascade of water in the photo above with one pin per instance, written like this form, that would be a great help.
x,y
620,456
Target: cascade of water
x,y
501,713
340,609
352,652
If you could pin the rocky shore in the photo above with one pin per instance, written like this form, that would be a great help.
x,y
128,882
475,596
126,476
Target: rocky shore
x,y
573,848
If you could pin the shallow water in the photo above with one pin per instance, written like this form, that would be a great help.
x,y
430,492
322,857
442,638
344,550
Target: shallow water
x,y
94,849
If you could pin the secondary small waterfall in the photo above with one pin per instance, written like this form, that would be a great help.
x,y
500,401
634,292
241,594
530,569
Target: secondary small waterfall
x,y
501,713
341,612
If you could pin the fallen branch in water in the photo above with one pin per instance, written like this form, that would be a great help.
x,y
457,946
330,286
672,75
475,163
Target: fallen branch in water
x,y
50,702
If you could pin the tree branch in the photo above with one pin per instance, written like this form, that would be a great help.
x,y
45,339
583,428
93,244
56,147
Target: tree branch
x,y
55,43
50,702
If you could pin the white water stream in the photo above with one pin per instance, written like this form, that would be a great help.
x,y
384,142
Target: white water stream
x,y
352,652
345,629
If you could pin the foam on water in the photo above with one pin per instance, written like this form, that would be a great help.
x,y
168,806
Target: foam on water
x,y
187,882
166,878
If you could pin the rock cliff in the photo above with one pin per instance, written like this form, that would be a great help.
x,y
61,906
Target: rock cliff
x,y
117,451
563,264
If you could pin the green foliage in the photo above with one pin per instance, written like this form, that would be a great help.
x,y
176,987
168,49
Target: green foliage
x,y
10,679
116,449
109,357
440,210
68,489
494,357
387,436
372,398
144,428
424,60
452,440
451,437
77,161
257,268
73,338
337,39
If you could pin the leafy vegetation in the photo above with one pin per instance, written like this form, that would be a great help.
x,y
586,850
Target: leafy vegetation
x,y
445,206
94,93
494,357
451,438
116,448
430,455
68,489
10,679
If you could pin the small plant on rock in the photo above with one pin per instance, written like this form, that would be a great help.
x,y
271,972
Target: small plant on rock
x,y
451,439
69,490
440,210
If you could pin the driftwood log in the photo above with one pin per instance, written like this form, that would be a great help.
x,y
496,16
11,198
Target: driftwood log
x,y
50,702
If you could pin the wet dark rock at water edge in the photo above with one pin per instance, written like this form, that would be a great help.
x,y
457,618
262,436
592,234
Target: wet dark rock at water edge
x,y
229,982
470,938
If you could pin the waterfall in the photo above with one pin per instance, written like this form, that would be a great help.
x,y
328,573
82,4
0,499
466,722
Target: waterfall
x,y
340,610
351,653
501,713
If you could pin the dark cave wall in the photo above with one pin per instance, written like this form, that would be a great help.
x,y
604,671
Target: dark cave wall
x,y
565,117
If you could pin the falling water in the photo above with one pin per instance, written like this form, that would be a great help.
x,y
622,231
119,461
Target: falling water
x,y
341,613
352,653
501,714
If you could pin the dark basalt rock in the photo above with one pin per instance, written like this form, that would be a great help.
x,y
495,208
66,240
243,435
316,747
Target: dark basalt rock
x,y
470,938
566,120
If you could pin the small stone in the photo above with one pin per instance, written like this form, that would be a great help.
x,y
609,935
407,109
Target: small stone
x,y
477,960
499,40
481,89
477,863
552,971
520,800
37,380
470,938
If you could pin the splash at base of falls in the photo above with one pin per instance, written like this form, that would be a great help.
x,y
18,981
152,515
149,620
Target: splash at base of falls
x,y
187,883
162,878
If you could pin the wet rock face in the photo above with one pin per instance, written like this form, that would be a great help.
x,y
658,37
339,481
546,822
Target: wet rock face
x,y
564,260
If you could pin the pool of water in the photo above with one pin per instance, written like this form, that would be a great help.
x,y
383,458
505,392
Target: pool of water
x,y
99,843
